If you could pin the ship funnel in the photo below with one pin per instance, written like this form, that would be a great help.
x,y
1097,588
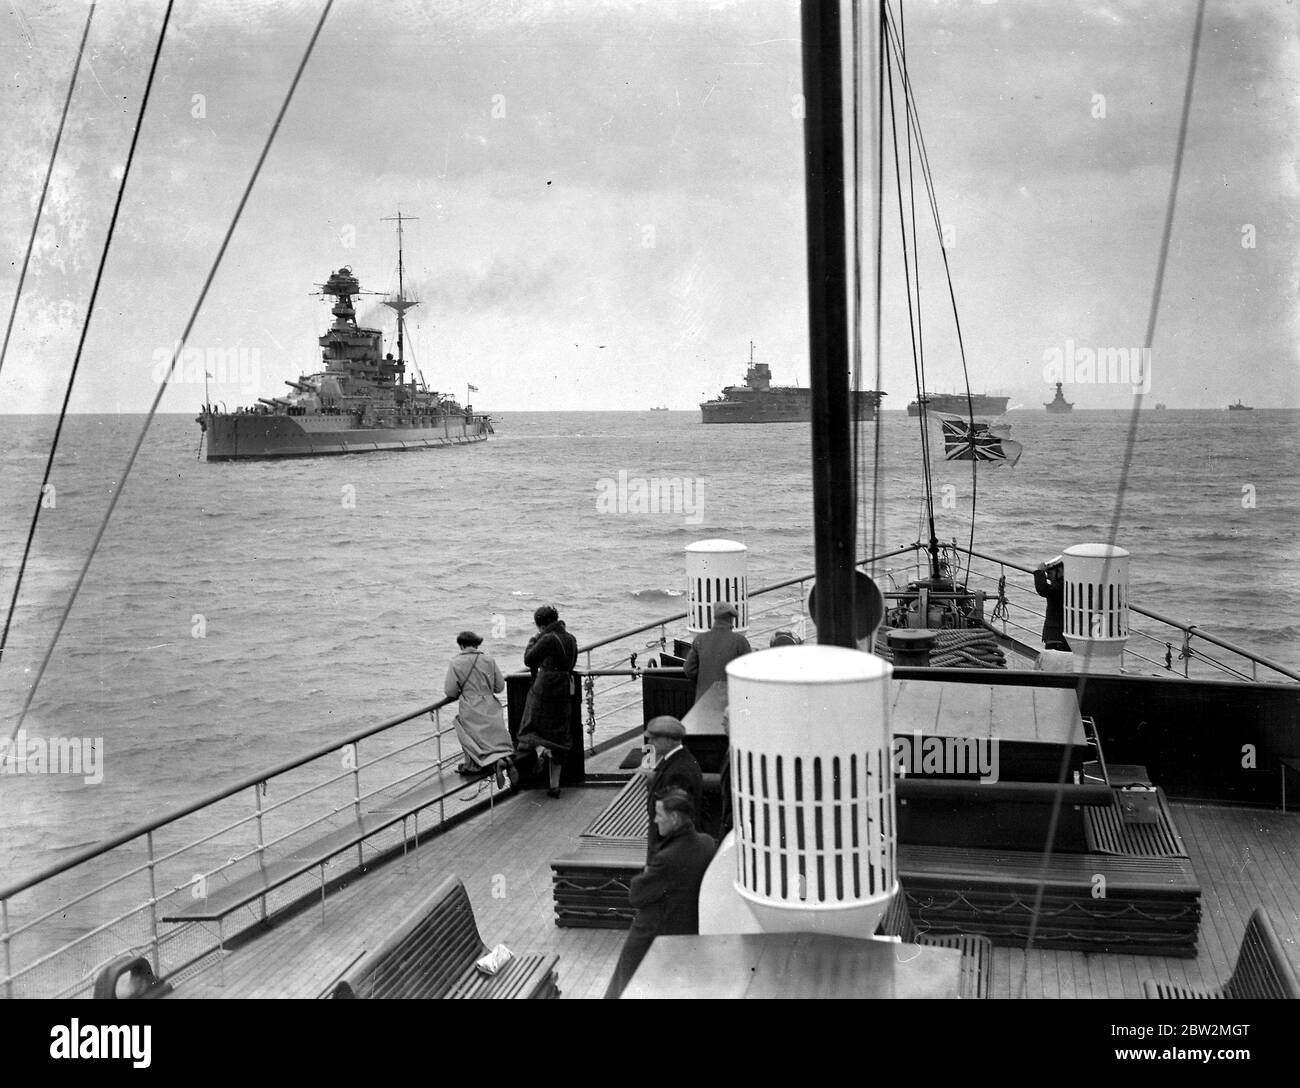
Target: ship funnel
x,y
813,795
715,572
1096,606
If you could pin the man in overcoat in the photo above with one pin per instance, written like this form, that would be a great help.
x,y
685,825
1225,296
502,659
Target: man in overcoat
x,y
706,661
666,894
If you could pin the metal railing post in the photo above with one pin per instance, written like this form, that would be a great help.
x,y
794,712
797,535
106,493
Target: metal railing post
x,y
4,936
153,908
356,799
261,840
437,737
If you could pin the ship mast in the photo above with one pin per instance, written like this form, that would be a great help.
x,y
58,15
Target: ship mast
x,y
401,303
834,501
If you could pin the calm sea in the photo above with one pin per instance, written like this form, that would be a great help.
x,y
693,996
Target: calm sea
x,y
328,592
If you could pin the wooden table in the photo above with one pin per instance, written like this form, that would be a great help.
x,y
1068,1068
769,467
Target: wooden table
x,y
790,965
1028,714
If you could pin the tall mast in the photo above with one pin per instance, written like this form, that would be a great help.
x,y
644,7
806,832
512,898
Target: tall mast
x,y
401,304
834,501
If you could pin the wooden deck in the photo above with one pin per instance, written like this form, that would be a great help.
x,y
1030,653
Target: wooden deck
x,y
504,859
1243,858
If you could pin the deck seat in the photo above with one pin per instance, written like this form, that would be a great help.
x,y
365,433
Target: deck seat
x,y
1262,970
976,951
1151,906
432,955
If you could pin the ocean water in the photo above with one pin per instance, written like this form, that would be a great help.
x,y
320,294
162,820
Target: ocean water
x,y
328,592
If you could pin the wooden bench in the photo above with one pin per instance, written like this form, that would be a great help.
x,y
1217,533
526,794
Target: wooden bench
x,y
1007,815
1151,905
976,952
432,954
1262,970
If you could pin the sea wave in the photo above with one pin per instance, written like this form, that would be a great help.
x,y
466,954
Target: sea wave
x,y
318,619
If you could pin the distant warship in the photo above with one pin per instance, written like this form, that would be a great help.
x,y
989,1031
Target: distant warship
x,y
978,404
1239,407
1059,403
759,401
359,403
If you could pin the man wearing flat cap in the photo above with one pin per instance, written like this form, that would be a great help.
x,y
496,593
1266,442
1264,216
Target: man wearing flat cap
x,y
674,768
706,663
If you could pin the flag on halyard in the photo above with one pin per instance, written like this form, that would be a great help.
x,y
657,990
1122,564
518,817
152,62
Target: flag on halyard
x,y
967,441
472,388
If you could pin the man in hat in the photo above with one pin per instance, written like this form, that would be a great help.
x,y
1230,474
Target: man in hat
x,y
667,894
706,663
673,768
1049,582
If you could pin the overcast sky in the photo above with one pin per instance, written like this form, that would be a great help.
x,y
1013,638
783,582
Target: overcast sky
x,y
610,195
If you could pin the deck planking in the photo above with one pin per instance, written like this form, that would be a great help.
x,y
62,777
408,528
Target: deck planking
x,y
1243,858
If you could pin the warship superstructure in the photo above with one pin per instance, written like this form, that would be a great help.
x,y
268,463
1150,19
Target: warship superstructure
x,y
1059,403
759,401
360,402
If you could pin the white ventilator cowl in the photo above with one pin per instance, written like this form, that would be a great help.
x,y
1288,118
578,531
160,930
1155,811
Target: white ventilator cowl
x,y
1096,606
715,572
813,788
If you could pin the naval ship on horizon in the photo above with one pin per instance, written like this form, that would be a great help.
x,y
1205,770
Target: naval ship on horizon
x,y
1059,404
979,404
360,402
759,401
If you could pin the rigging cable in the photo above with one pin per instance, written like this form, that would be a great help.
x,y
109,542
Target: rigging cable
x,y
40,203
913,114
855,344
871,538
907,275
85,325
180,344
1135,416
878,233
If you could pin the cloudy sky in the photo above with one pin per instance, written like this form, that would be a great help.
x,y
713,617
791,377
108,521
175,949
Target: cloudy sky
x,y
609,195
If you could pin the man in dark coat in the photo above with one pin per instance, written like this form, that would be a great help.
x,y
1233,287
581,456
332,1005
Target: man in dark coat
x,y
1049,581
706,663
674,768
666,894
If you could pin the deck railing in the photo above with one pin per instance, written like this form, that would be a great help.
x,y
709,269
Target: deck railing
x,y
59,926
1165,645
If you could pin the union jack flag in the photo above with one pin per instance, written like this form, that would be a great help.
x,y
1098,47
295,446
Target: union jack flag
x,y
967,441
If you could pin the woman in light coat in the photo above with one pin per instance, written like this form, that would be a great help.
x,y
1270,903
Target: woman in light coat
x,y
475,679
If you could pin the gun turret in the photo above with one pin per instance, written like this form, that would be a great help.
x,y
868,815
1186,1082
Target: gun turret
x,y
300,386
274,402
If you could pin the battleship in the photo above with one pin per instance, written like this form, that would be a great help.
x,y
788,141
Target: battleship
x,y
759,401
360,402
1059,403
977,404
